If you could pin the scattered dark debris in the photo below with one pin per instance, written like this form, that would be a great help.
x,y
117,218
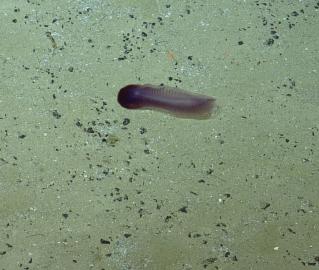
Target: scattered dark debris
x,y
90,41
272,20
167,218
183,209
269,41
89,130
265,205
102,129
78,123
126,121
174,79
105,242
3,161
314,262
100,108
194,235
143,130
141,212
209,261
56,114
117,196
221,224
225,197
305,262
291,231
143,39
209,171
51,38
22,136
294,13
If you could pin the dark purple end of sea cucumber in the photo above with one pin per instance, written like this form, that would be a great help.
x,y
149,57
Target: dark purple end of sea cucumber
x,y
131,97
175,101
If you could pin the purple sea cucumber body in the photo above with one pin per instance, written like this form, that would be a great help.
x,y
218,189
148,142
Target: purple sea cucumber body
x,y
174,101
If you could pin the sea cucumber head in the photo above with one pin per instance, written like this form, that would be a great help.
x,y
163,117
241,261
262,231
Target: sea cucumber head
x,y
130,96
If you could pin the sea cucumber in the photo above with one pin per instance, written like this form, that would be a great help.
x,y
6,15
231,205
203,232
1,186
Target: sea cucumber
x,y
175,101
